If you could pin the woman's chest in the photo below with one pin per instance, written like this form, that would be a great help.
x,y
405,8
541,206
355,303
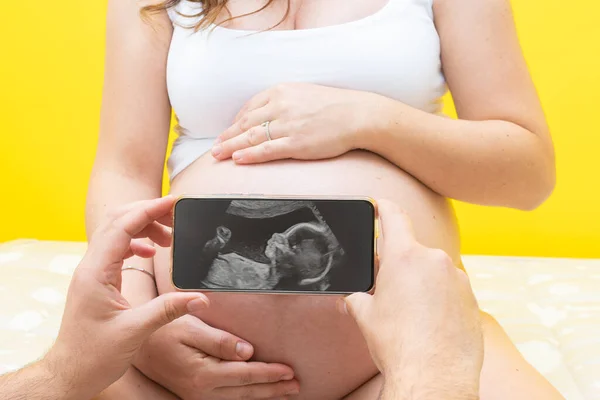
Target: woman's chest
x,y
394,52
295,14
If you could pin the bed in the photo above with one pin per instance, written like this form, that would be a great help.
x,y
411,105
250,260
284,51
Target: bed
x,y
549,307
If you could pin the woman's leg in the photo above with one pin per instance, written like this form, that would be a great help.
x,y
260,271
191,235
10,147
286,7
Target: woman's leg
x,y
505,375
135,386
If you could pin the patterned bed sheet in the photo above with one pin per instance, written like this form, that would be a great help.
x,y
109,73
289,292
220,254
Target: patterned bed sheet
x,y
549,307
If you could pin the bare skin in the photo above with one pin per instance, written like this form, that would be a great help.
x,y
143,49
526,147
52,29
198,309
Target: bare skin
x,y
86,358
314,346
326,344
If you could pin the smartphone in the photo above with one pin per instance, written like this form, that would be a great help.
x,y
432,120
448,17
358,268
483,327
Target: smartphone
x,y
260,244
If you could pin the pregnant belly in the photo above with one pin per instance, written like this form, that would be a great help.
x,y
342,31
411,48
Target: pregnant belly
x,y
325,349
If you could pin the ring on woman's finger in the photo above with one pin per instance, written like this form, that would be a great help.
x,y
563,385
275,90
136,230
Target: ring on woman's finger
x,y
266,125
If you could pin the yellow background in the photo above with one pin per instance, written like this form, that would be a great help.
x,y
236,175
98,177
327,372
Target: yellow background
x,y
51,61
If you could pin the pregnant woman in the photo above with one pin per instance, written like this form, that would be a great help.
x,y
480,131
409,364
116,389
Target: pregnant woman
x,y
318,97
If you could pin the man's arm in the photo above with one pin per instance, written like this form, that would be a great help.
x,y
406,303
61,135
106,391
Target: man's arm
x,y
398,386
41,381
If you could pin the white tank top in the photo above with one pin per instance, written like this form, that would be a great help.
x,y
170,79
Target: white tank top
x,y
394,52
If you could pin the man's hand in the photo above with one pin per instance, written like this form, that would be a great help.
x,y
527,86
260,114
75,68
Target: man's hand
x,y
422,324
100,332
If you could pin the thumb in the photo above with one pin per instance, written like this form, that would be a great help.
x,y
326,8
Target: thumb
x,y
355,305
165,309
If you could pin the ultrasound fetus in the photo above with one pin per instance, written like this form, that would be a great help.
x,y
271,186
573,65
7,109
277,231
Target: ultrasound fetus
x,y
305,253
248,255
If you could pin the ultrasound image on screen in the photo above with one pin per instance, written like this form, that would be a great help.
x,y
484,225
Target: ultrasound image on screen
x,y
268,245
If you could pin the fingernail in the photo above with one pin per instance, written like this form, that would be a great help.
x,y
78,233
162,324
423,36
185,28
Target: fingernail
x,y
293,391
216,150
287,377
237,156
341,306
197,304
244,350
217,141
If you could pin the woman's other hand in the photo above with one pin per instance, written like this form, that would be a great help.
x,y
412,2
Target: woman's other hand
x,y
306,122
196,362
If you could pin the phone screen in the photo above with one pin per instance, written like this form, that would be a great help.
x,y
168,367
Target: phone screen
x,y
274,245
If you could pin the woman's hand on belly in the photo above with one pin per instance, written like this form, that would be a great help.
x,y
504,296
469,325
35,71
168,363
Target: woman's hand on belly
x,y
196,361
306,122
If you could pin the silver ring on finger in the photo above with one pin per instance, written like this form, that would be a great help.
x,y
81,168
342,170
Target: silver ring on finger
x,y
266,125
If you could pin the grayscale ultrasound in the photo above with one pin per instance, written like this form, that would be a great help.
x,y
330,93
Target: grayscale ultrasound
x,y
271,245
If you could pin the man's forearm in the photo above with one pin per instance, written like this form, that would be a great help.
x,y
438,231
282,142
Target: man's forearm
x,y
397,388
39,382
398,391
403,387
